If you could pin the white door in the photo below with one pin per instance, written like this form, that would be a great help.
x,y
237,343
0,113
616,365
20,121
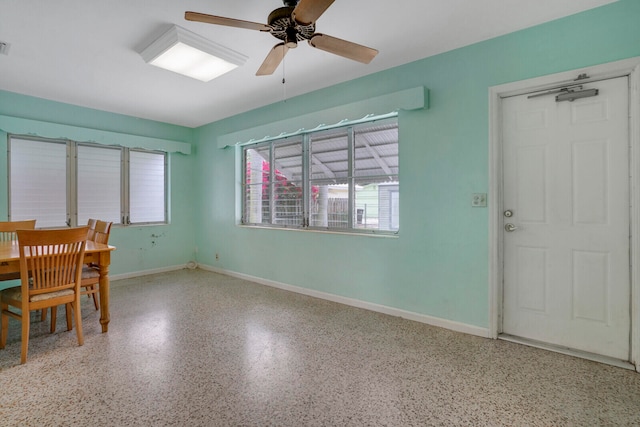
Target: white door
x,y
566,200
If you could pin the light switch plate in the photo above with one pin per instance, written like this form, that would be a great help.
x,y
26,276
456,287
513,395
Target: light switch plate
x,y
479,200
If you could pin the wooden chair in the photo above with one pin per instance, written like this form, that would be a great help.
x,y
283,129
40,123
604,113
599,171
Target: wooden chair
x,y
90,272
8,233
98,232
51,268
91,224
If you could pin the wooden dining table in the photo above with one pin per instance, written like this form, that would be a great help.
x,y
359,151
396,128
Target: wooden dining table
x,y
96,253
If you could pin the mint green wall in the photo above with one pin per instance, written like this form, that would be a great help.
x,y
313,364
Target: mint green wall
x,y
139,248
439,264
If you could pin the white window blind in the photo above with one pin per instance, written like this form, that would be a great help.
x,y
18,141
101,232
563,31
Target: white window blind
x,y
146,187
99,172
38,182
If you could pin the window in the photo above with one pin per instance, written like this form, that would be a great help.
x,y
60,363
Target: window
x,y
65,183
146,187
38,182
343,179
99,168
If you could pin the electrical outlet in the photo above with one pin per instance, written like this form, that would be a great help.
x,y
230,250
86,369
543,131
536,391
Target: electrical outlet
x,y
217,256
479,200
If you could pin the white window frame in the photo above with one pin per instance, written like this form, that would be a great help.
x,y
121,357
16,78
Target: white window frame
x,y
72,180
306,162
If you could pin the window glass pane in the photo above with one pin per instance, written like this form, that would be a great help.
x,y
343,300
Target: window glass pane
x,y
377,205
38,182
287,183
329,154
146,187
376,150
329,204
377,185
329,190
99,183
256,188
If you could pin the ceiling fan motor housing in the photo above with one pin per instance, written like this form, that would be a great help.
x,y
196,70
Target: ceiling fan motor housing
x,y
283,27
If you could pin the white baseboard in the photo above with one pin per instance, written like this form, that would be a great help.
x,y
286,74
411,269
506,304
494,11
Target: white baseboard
x,y
422,318
113,277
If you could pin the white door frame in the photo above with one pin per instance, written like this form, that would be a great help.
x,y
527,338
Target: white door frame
x,y
628,67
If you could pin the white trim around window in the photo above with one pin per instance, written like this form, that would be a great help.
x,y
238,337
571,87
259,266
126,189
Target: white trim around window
x,y
338,179
64,183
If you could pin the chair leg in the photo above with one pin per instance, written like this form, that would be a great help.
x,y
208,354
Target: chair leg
x,y
76,309
43,314
54,317
25,337
95,300
67,309
5,325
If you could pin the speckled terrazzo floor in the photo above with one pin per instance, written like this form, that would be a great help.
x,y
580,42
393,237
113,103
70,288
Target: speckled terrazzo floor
x,y
195,348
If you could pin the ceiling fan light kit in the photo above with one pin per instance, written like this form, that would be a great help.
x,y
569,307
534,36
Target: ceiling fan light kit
x,y
293,23
192,55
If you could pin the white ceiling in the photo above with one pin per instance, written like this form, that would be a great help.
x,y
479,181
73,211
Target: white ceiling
x,y
86,52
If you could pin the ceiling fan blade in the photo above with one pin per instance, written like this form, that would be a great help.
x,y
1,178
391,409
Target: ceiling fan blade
x,y
219,20
273,59
308,11
343,48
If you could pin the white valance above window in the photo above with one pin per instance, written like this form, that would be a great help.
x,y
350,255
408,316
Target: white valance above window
x,y
408,99
20,126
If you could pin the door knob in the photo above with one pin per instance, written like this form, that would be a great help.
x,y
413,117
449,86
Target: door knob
x,y
510,227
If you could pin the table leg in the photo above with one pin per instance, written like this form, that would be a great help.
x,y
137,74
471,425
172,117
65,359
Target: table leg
x,y
104,297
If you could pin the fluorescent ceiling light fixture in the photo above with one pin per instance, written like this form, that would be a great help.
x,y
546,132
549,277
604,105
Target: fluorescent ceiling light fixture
x,y
187,53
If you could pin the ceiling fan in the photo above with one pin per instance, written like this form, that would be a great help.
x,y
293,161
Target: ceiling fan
x,y
293,23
